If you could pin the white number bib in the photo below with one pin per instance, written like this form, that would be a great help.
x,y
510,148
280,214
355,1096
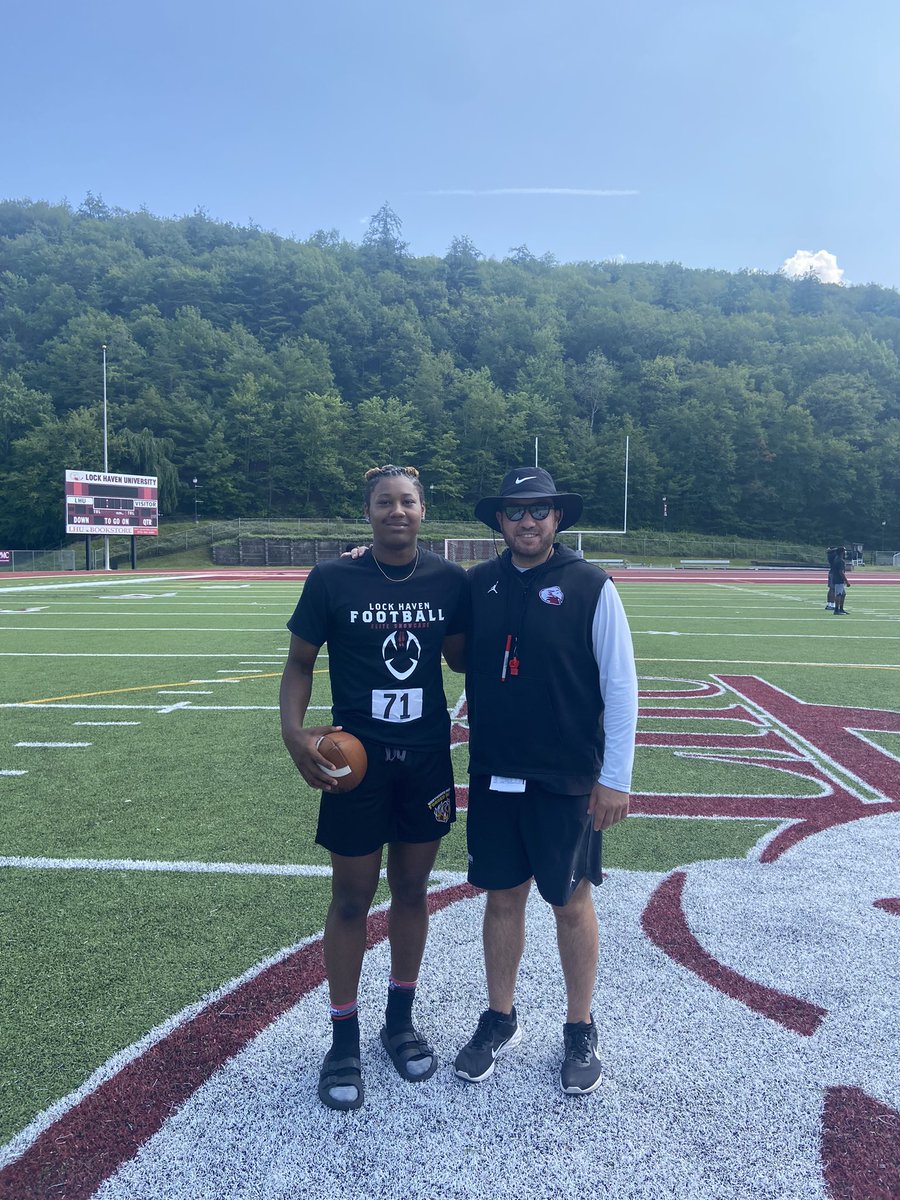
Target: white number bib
x,y
402,704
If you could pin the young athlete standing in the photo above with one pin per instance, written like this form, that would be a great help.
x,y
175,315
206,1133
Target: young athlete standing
x,y
386,617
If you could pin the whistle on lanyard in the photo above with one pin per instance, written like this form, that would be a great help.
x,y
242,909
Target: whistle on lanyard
x,y
510,664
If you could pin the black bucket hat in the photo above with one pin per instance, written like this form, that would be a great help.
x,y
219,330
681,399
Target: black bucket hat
x,y
525,484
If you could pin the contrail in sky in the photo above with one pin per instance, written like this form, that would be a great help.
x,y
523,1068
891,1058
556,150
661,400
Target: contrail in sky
x,y
532,191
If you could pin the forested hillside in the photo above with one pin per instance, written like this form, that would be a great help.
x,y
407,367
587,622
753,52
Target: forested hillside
x,y
275,371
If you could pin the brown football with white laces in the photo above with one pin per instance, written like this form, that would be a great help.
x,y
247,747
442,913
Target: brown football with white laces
x,y
347,756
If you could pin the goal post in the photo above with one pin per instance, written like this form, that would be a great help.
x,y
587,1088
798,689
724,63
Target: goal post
x,y
472,550
585,543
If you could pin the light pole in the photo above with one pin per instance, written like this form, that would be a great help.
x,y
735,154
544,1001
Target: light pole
x,y
883,523
195,499
105,454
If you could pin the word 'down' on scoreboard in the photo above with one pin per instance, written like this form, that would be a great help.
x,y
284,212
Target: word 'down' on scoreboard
x,y
97,502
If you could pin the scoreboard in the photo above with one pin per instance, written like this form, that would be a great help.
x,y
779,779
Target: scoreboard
x,y
97,502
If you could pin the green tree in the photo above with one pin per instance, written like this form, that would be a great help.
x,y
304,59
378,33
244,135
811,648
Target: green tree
x,y
595,383
310,473
383,245
387,430
33,512
443,478
21,409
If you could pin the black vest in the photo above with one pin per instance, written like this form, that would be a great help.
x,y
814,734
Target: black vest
x,y
532,681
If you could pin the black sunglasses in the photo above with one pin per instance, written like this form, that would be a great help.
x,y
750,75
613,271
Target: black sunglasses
x,y
540,512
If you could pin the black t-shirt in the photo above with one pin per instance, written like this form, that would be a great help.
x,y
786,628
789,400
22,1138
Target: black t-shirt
x,y
384,640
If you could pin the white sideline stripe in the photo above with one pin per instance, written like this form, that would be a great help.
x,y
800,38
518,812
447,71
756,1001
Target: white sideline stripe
x,y
167,612
144,628
103,654
154,707
853,637
52,745
765,662
136,864
793,619
780,822
106,722
58,587
13,772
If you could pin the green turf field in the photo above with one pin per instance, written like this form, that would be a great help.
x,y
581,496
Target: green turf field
x,y
139,728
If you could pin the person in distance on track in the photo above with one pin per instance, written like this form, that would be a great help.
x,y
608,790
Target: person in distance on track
x,y
831,553
387,617
840,582
552,702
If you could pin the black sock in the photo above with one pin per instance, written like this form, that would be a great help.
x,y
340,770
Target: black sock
x,y
345,1034
398,1014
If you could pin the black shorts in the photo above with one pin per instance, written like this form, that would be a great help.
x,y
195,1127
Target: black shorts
x,y
406,796
514,836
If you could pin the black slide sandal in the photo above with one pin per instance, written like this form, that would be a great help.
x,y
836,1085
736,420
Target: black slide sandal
x,y
341,1073
405,1046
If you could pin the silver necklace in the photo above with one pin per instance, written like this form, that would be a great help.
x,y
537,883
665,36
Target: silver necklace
x,y
390,578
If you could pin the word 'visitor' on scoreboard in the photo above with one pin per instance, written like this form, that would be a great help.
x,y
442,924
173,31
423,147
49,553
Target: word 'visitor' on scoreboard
x,y
100,503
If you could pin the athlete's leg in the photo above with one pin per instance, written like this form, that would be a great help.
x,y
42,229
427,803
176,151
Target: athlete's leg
x,y
578,940
409,866
353,885
408,869
504,942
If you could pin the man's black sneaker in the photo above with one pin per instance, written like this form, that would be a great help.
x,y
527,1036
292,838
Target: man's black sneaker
x,y
494,1035
581,1071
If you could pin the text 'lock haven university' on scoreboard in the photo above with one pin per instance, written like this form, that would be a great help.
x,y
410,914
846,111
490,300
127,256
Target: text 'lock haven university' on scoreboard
x,y
97,502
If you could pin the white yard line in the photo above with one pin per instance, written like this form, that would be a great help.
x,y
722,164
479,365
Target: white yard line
x,y
52,745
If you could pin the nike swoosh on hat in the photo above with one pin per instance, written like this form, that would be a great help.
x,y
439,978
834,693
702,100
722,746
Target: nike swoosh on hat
x,y
525,478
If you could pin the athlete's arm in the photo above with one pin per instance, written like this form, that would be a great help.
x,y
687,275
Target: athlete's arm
x,y
296,689
614,652
453,649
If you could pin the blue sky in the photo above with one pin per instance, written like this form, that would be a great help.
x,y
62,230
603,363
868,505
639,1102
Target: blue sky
x,y
715,133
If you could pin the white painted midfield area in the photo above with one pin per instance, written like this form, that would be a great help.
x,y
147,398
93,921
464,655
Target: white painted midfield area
x,y
703,1097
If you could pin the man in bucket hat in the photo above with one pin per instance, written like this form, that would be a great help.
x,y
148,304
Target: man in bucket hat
x,y
552,703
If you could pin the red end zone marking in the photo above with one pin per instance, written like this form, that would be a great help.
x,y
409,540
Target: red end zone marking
x,y
860,1146
91,1141
664,922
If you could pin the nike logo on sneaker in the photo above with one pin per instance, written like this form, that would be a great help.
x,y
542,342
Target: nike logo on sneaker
x,y
525,478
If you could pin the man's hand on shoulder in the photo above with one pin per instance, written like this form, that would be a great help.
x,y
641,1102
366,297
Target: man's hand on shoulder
x,y
607,806
356,552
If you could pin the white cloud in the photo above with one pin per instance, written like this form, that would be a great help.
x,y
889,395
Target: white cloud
x,y
532,191
821,264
